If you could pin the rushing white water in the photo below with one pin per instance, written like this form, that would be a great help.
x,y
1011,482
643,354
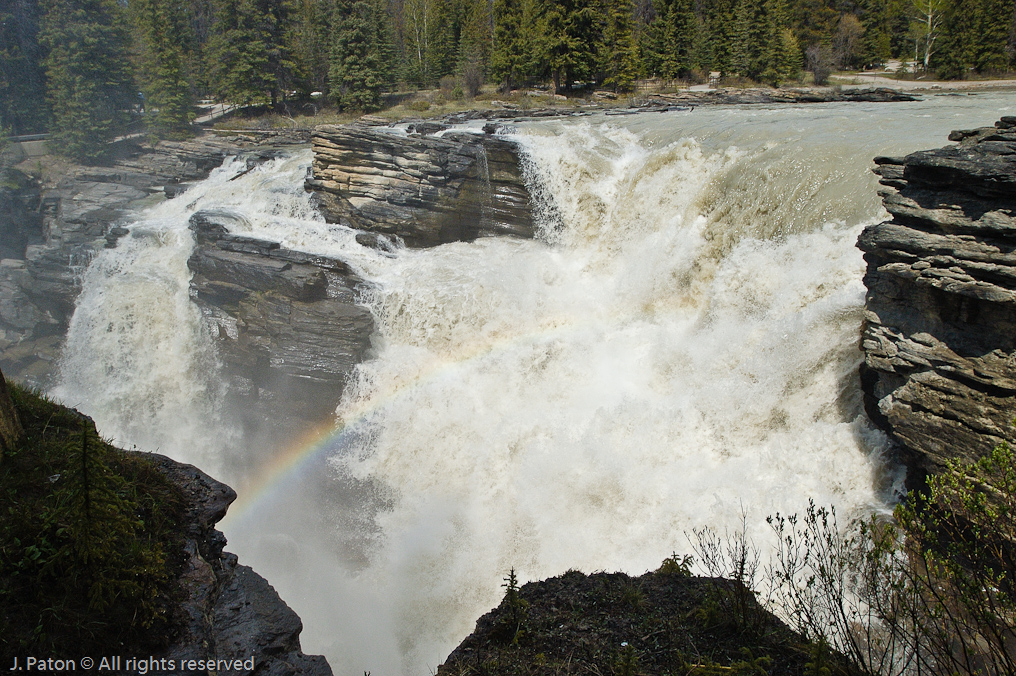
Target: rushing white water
x,y
679,346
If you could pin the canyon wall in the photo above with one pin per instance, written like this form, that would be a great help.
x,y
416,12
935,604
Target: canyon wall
x,y
53,225
422,188
939,336
287,325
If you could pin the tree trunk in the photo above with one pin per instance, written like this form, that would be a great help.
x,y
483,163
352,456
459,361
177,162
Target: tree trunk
x,y
10,427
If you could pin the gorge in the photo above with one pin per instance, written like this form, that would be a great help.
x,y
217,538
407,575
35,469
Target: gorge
x,y
676,346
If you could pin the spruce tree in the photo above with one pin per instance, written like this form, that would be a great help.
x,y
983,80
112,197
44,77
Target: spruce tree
x,y
358,72
309,39
721,26
994,19
23,107
750,39
619,49
89,82
165,42
248,60
571,29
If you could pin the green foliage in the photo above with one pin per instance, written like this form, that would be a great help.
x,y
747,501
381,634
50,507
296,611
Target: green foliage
x,y
88,541
625,662
677,565
248,61
23,106
819,663
931,591
749,665
89,85
619,51
512,623
166,54
360,67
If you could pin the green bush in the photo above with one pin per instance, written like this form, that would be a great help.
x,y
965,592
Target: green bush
x,y
89,539
929,591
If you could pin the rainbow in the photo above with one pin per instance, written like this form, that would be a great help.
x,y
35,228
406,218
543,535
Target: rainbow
x,y
287,469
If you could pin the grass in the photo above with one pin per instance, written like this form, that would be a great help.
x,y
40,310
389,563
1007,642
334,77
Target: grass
x,y
89,540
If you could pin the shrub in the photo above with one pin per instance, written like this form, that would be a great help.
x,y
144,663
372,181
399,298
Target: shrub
x,y
88,541
930,591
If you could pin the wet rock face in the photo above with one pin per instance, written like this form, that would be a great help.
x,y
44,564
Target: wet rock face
x,y
227,611
287,325
939,338
49,235
425,189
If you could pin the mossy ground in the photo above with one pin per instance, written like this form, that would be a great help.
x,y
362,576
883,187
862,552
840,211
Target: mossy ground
x,y
89,540
665,622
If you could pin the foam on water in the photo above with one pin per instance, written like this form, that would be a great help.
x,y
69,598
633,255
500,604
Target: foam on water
x,y
678,347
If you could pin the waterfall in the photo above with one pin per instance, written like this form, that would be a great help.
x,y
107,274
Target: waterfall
x,y
678,348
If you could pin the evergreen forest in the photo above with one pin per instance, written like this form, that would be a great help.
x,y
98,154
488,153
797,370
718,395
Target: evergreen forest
x,y
85,70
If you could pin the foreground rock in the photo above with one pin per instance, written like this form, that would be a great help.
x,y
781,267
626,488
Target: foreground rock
x,y
287,325
939,338
610,623
424,189
227,611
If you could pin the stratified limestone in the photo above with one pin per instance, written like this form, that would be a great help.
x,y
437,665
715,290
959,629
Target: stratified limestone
x,y
424,189
939,338
287,324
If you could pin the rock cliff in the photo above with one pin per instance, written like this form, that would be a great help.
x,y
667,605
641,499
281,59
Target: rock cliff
x,y
227,611
939,337
57,228
422,188
287,325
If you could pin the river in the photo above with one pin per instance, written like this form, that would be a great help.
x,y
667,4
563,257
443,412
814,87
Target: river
x,y
677,349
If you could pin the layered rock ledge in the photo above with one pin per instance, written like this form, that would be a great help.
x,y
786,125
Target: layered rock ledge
x,y
424,189
287,325
939,337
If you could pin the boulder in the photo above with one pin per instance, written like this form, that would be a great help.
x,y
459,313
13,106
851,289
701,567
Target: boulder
x,y
939,336
425,189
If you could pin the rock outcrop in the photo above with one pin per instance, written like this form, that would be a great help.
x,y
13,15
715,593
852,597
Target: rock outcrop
x,y
227,611
939,338
609,623
424,189
60,226
289,330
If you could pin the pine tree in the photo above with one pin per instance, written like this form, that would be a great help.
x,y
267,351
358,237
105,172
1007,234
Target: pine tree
x,y
165,41
477,37
993,19
358,71
619,49
90,87
721,26
672,38
248,61
521,48
750,39
955,54
571,30
309,40
23,107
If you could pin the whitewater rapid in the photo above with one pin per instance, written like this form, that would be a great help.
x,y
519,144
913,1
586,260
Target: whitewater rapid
x,y
678,348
